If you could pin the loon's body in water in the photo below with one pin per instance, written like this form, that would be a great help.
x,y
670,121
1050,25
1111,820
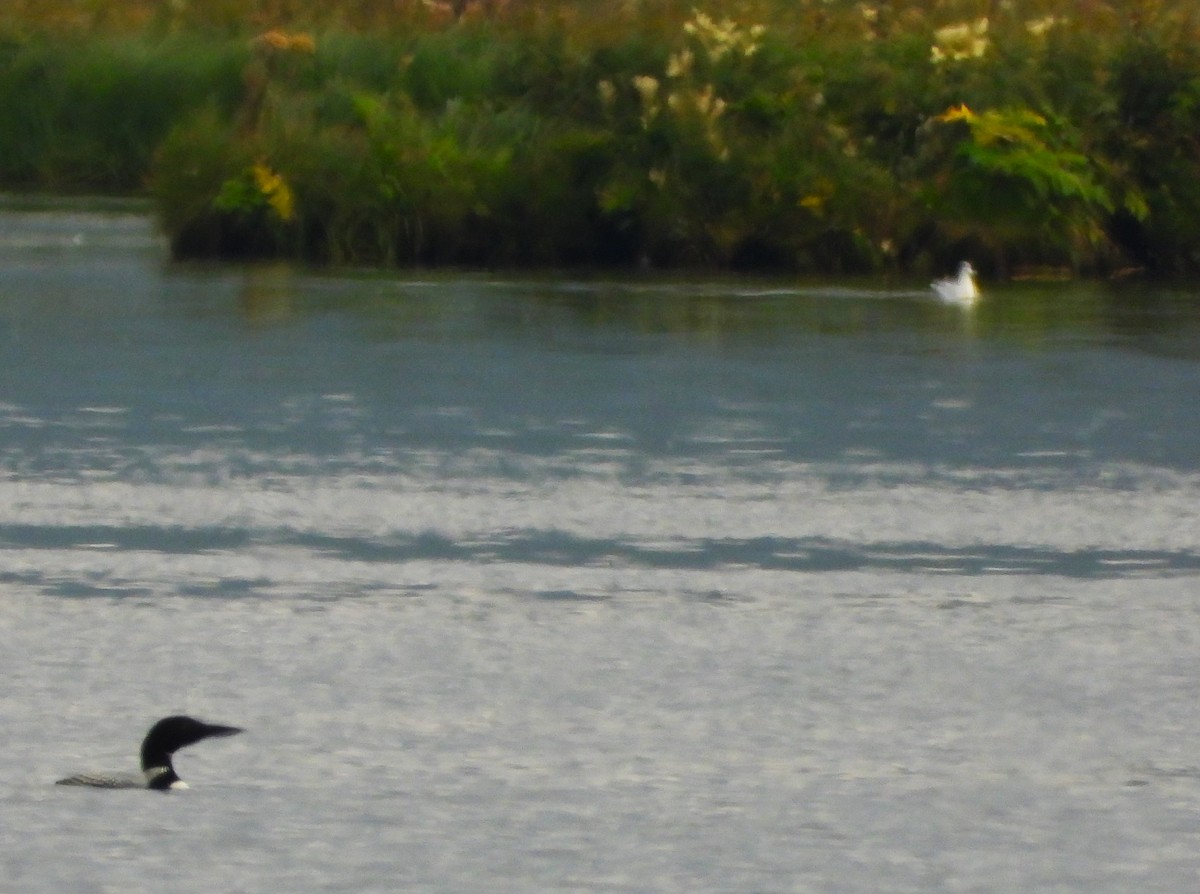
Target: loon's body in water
x,y
158,773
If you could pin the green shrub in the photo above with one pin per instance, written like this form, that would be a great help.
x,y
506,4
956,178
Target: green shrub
x,y
766,133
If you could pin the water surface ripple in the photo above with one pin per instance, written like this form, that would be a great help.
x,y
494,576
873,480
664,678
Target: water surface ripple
x,y
549,584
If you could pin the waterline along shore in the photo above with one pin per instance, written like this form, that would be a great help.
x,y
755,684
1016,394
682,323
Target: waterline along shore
x,y
806,135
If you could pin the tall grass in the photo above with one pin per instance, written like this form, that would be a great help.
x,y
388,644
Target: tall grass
x,y
88,113
796,134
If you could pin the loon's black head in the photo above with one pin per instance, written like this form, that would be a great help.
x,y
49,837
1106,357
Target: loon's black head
x,y
168,736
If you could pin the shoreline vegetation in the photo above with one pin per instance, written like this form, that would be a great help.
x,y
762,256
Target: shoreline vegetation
x,y
770,135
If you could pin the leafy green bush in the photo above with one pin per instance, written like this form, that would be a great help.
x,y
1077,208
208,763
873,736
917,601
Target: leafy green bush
x,y
1018,182
794,134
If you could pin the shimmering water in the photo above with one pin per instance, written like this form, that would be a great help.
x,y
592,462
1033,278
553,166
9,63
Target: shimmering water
x,y
551,584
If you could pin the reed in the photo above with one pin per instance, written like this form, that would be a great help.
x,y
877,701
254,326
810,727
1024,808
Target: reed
x,y
88,114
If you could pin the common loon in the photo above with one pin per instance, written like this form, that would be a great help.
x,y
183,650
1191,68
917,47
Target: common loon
x,y
158,773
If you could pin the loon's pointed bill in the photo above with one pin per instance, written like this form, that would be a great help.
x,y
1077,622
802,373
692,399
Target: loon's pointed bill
x,y
158,772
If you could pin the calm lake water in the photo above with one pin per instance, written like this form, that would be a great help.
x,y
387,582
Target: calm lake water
x,y
537,584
